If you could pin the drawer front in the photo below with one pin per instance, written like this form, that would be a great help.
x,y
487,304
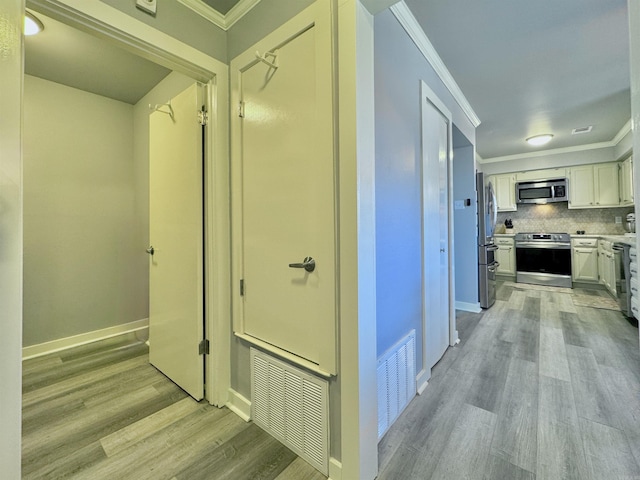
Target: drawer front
x,y
633,254
633,269
635,308
584,242
509,242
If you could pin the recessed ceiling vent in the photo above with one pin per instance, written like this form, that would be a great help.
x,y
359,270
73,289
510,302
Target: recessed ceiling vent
x,y
578,131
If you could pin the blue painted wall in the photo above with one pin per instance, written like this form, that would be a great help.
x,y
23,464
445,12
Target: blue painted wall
x,y
399,68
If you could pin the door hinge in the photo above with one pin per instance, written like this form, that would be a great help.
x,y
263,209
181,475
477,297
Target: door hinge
x,y
241,110
242,287
203,117
203,347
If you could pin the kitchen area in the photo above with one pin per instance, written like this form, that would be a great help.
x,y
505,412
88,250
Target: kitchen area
x,y
563,228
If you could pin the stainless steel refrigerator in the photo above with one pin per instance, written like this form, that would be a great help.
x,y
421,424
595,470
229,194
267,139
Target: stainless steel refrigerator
x,y
487,264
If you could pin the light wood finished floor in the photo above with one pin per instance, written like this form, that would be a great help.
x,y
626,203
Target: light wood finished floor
x,y
102,412
538,388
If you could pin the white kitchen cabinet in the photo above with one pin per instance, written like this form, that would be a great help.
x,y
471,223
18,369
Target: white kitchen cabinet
x,y
506,255
546,174
505,188
584,261
635,294
607,266
594,186
626,182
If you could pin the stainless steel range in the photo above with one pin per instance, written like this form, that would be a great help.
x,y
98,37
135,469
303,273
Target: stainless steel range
x,y
543,259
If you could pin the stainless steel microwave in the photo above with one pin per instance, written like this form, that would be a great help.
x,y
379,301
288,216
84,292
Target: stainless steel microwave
x,y
545,191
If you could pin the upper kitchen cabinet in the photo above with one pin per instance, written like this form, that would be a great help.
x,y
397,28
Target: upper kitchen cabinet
x,y
594,186
542,175
505,188
626,182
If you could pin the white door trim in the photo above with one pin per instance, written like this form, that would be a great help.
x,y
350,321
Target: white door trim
x,y
428,95
120,29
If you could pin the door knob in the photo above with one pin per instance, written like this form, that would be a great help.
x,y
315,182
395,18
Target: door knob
x,y
309,264
150,250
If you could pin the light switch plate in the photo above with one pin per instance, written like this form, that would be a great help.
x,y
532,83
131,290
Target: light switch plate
x,y
148,6
458,205
619,220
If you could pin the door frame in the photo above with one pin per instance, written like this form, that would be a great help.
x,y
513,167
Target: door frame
x,y
120,29
428,95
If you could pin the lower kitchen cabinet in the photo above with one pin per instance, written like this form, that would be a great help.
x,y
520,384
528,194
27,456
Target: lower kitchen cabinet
x,y
635,294
607,266
506,255
584,261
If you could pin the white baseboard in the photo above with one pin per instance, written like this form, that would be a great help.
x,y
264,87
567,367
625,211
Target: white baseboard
x,y
140,327
422,380
335,469
239,405
468,307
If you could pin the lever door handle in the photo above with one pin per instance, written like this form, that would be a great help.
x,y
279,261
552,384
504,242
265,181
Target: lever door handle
x,y
309,264
150,250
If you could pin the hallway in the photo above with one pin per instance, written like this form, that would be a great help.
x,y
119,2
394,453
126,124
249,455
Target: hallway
x,y
537,388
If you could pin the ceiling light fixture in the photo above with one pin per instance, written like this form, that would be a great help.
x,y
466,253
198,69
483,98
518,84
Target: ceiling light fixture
x,y
539,140
32,25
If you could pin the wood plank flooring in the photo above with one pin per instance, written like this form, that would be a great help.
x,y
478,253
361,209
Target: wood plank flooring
x,y
100,411
539,388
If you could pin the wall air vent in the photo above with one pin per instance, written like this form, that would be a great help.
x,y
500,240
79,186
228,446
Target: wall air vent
x,y
578,131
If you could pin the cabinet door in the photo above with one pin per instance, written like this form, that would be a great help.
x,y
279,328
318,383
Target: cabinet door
x,y
505,255
626,182
581,192
505,186
585,264
607,192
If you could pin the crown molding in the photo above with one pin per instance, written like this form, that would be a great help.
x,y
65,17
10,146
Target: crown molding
x,y
223,21
415,31
557,151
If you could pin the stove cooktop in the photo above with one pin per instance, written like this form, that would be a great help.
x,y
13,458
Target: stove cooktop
x,y
543,237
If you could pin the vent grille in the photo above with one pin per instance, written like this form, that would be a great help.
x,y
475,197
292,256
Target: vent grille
x,y
396,381
291,405
578,131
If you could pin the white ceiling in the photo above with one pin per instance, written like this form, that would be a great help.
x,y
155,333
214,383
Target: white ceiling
x,y
525,67
530,67
65,55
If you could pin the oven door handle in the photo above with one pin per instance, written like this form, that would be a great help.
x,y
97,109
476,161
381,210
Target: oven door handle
x,y
492,248
493,267
549,245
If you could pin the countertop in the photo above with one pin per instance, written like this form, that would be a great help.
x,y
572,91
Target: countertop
x,y
628,239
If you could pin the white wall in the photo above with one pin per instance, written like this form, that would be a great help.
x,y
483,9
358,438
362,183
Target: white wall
x,y
79,216
11,12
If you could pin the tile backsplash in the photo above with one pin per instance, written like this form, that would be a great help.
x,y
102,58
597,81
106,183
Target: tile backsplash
x,y
556,217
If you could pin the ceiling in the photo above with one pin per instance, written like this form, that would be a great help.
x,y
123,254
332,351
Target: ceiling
x,y
65,55
527,68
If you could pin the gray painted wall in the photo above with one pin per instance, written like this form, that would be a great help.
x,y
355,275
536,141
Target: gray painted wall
x,y
465,222
79,217
399,67
182,23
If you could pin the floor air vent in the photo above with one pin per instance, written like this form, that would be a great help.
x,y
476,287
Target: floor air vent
x,y
292,405
396,381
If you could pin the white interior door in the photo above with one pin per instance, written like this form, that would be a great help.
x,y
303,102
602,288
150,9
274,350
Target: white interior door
x,y
285,173
176,325
436,127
